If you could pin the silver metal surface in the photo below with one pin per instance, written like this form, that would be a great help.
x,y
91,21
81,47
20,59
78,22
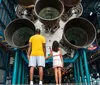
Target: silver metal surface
x,y
22,12
26,2
49,7
18,32
79,33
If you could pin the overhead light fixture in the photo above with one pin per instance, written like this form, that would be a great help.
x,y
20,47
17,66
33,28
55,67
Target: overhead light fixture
x,y
91,13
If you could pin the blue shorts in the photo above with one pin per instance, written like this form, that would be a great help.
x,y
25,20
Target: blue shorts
x,y
37,61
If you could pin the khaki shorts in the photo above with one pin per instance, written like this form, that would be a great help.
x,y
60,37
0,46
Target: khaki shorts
x,y
37,61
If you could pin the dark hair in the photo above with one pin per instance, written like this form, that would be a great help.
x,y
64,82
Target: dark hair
x,y
55,46
37,31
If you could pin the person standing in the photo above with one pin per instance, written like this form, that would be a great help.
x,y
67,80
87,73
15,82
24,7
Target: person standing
x,y
36,55
56,53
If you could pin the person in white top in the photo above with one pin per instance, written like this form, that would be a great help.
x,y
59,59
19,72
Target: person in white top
x,y
56,53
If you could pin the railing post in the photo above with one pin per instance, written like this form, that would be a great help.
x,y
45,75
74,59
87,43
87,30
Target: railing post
x,y
78,73
75,71
86,66
20,70
23,72
16,61
81,70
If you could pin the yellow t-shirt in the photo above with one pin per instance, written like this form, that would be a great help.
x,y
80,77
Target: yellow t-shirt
x,y
37,45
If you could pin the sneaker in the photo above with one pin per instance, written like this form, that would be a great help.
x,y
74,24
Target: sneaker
x,y
40,84
31,84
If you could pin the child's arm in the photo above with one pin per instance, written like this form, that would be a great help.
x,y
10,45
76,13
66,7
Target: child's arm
x,y
49,56
61,56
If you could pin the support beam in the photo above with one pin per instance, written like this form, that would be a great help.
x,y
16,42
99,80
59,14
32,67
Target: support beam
x,y
24,56
78,72
69,60
26,73
2,59
7,10
14,77
23,72
81,70
4,47
98,16
86,66
76,56
1,33
20,70
9,1
75,73
2,24
72,59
